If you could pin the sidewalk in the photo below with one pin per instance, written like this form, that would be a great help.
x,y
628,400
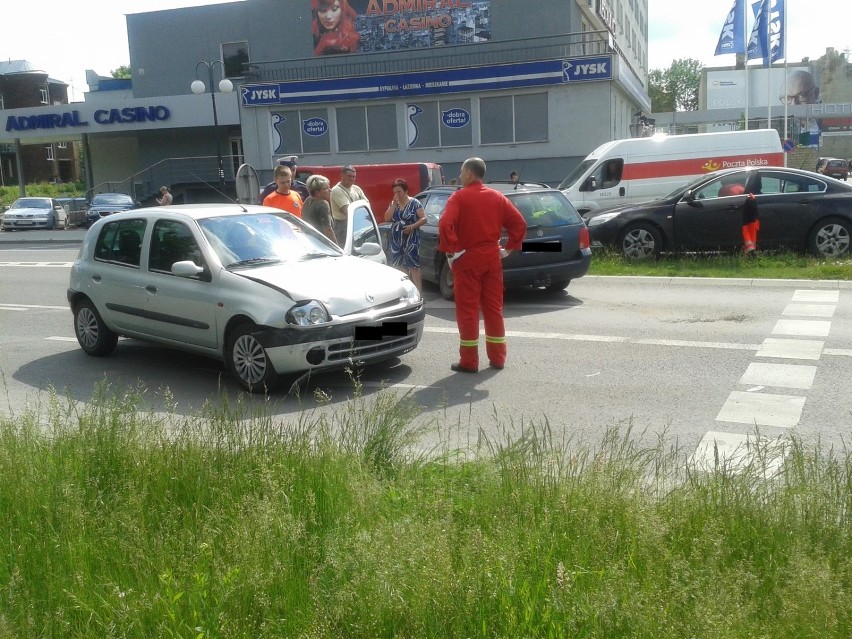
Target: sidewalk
x,y
71,236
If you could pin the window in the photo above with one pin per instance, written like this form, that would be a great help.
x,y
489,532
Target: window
x,y
363,228
300,131
235,55
49,150
121,242
435,207
519,118
438,124
367,128
61,145
45,97
172,242
2,105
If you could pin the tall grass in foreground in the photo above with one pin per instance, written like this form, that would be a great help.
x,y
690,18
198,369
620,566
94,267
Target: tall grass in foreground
x,y
117,522
765,265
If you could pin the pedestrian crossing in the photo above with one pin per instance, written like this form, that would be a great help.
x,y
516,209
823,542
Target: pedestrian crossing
x,y
772,393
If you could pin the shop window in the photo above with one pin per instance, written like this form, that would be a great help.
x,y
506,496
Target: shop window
x,y
438,124
369,128
508,119
300,131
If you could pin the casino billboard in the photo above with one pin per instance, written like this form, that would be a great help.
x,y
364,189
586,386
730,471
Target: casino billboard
x,y
362,26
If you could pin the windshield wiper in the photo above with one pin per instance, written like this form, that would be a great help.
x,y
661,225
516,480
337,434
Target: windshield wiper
x,y
255,260
315,256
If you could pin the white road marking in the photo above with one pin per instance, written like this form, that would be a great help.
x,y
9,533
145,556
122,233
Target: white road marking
x,y
816,296
61,339
762,409
790,348
733,452
802,328
27,307
779,375
810,310
38,264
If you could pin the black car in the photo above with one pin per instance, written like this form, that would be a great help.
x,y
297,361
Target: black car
x,y
104,204
798,209
551,220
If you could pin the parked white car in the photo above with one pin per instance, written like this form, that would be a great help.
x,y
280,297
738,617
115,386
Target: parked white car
x,y
35,213
255,287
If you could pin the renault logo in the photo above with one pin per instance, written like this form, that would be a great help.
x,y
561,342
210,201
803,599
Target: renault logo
x,y
369,297
539,233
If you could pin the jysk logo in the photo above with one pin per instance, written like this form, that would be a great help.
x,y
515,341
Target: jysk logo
x,y
315,127
260,94
585,69
455,118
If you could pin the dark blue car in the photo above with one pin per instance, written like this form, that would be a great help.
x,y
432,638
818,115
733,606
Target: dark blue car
x,y
104,204
556,248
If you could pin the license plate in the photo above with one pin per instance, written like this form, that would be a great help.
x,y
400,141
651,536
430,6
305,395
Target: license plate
x,y
25,222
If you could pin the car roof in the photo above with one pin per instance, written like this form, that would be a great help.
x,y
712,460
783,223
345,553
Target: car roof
x,y
507,188
196,211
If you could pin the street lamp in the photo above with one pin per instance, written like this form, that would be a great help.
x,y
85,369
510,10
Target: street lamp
x,y
225,86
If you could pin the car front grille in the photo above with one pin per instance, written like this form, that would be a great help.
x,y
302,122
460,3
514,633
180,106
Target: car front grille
x,y
367,349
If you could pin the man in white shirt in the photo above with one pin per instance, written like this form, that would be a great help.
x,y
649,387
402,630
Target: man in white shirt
x,y
342,195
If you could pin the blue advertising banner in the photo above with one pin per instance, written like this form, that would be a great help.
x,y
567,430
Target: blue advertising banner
x,y
422,83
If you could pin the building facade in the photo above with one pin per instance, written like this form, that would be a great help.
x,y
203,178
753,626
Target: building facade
x,y
531,87
22,86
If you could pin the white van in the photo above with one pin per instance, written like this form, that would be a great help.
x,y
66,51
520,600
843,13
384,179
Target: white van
x,y
642,169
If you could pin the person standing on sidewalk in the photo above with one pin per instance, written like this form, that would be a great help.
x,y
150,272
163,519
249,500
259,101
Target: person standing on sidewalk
x,y
469,232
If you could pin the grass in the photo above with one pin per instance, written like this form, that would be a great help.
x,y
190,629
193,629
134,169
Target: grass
x,y
119,522
766,265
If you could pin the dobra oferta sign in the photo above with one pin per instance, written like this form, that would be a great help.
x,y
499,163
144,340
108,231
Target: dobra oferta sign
x,y
73,119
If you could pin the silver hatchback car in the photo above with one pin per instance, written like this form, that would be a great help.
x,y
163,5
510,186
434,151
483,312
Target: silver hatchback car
x,y
252,286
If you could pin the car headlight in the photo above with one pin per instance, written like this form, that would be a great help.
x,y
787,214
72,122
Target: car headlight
x,y
411,294
603,218
307,314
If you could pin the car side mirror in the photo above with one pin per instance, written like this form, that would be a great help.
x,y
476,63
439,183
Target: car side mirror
x,y
368,249
689,197
186,268
591,184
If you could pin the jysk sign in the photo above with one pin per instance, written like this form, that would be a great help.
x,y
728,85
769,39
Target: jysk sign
x,y
585,69
422,83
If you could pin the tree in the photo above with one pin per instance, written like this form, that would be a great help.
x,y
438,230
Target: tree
x,y
675,88
122,72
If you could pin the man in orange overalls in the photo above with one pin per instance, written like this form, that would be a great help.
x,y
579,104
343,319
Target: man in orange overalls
x,y
470,230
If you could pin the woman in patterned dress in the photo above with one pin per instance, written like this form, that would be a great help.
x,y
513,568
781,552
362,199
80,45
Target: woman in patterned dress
x,y
407,216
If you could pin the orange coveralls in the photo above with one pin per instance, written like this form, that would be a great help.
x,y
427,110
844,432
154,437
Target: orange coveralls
x,y
473,221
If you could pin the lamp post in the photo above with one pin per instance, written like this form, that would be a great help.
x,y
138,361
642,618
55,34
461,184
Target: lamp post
x,y
225,86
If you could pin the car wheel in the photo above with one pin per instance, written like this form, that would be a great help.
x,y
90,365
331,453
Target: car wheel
x,y
248,360
558,285
445,281
92,334
831,237
640,242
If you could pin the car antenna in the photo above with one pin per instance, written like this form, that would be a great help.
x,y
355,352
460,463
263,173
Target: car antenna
x,y
224,195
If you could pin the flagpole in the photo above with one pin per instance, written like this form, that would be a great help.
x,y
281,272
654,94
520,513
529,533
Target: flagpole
x,y
768,8
746,33
786,106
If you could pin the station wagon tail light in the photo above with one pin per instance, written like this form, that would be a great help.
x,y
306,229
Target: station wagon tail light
x,y
584,237
308,314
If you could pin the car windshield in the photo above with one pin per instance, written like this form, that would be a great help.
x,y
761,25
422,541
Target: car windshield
x,y
31,203
258,239
546,208
112,198
576,174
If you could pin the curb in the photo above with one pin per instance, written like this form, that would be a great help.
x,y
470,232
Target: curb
x,y
724,281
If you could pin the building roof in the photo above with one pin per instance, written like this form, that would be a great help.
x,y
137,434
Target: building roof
x,y
14,67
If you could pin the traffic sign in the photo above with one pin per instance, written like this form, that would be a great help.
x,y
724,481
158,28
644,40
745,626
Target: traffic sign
x,y
788,145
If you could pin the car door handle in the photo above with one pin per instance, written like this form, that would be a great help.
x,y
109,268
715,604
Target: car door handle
x,y
96,279
151,289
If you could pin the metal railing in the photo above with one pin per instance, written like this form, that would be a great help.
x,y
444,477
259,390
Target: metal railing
x,y
145,184
408,60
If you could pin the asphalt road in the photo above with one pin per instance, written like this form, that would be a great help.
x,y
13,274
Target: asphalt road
x,y
698,361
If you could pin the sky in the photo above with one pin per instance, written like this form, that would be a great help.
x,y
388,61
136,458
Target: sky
x,y
94,35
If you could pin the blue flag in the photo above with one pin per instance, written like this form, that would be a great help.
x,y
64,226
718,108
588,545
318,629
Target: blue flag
x,y
764,43
733,31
